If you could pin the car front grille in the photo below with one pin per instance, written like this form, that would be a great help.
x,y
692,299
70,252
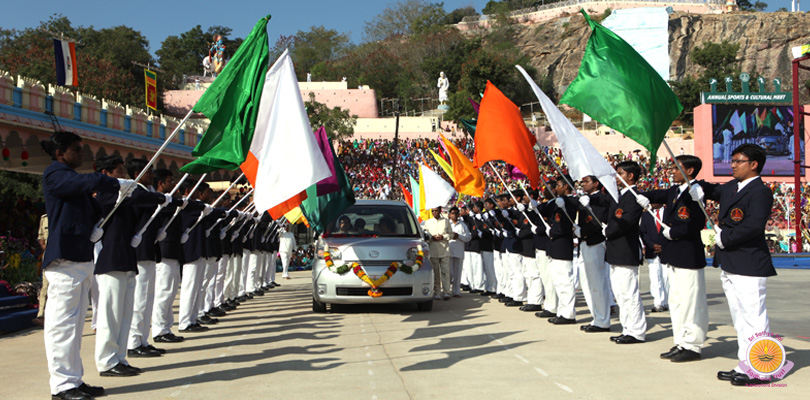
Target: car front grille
x,y
363,291
374,263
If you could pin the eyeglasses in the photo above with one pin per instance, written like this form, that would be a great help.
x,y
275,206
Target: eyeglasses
x,y
739,161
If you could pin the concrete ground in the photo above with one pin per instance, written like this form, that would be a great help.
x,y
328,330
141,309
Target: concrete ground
x,y
467,348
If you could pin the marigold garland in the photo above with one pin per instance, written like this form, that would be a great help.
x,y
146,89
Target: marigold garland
x,y
358,270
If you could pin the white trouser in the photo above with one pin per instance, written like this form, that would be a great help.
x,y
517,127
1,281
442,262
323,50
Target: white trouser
x,y
167,277
490,277
688,309
500,271
219,287
285,263
254,260
473,264
549,293
517,284
579,260
441,275
227,285
243,288
68,297
116,293
465,269
455,274
205,301
746,301
261,269
531,274
232,289
94,286
595,283
658,282
270,277
190,290
624,280
142,305
562,275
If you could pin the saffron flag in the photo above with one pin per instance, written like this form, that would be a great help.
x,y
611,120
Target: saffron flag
x,y
618,88
321,209
437,192
232,104
582,157
66,72
445,166
467,179
151,88
406,194
284,158
501,134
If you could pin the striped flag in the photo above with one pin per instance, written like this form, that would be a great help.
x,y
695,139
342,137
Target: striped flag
x,y
151,88
66,73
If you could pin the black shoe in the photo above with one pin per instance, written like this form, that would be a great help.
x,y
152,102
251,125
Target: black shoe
x,y
745,380
275,284
226,307
545,314
119,370
562,321
142,351
206,320
475,291
249,296
497,295
531,307
487,293
216,312
674,350
195,328
513,303
133,369
168,338
72,394
95,391
258,293
627,339
659,309
161,351
505,299
241,299
685,356
465,288
234,303
593,329
728,375
615,338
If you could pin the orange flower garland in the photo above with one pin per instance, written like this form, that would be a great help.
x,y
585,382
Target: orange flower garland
x,y
358,270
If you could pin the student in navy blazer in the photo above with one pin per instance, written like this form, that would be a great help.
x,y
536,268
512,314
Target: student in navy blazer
x,y
68,261
741,251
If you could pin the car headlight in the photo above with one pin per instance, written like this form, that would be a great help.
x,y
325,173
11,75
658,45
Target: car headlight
x,y
334,252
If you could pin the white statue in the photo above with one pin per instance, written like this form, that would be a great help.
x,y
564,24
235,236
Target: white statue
x,y
443,85
207,68
309,77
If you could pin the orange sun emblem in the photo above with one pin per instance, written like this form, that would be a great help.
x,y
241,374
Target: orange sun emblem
x,y
619,212
683,213
736,215
766,356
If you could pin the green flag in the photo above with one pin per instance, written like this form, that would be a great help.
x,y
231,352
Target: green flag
x,y
322,210
469,125
618,88
231,103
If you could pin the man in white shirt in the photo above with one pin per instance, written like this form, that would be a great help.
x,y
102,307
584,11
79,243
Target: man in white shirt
x,y
285,249
439,232
461,236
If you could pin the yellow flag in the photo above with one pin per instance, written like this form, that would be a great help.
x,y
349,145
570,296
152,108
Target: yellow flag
x,y
445,166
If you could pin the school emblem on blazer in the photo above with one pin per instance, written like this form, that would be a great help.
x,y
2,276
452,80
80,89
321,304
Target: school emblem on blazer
x,y
736,214
557,217
588,219
683,212
619,212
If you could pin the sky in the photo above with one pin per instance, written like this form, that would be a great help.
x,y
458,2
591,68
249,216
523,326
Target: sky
x,y
159,19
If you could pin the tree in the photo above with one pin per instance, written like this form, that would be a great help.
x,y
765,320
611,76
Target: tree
x,y
404,17
316,46
455,16
339,124
747,5
718,61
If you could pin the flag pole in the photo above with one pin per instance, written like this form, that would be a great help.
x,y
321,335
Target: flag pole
x,y
98,230
571,185
686,177
162,232
208,232
136,240
649,210
247,211
184,237
513,196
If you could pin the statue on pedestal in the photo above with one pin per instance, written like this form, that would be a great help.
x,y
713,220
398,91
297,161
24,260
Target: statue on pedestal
x,y
443,85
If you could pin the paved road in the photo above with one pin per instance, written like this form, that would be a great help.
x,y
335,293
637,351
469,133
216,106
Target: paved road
x,y
468,348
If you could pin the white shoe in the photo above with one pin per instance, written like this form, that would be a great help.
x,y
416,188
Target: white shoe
x,y
437,297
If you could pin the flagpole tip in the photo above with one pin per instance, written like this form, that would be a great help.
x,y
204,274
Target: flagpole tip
x,y
268,17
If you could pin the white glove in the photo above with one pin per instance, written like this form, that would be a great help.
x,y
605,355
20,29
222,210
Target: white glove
x,y
585,200
666,233
478,216
718,237
559,202
168,199
480,234
577,231
126,186
505,213
534,229
498,232
207,210
548,231
521,207
697,193
643,201
505,233
532,204
492,213
604,230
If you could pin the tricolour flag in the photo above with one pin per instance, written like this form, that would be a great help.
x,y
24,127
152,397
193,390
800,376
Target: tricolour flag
x,y
284,158
582,158
66,72
618,88
232,104
466,178
151,88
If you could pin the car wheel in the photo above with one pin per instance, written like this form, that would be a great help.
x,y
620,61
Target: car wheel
x,y
425,305
317,306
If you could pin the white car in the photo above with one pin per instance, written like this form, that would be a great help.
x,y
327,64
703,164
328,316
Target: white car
x,y
372,240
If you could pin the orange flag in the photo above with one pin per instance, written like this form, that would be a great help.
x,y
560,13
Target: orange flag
x,y
407,195
468,180
501,135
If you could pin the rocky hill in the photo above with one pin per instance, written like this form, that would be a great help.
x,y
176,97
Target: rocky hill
x,y
556,47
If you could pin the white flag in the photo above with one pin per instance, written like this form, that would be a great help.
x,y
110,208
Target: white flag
x,y
437,190
285,149
583,159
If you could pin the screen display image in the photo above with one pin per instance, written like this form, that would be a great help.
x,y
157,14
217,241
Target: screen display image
x,y
768,126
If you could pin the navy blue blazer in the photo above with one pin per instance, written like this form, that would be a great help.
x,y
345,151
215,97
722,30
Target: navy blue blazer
x,y
72,211
195,246
623,246
589,230
742,218
685,219
117,254
561,234
650,236
170,247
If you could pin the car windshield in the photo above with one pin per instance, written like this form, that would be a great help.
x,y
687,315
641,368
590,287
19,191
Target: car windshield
x,y
374,221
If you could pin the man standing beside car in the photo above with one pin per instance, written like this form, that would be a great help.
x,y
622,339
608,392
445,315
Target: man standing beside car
x,y
438,232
